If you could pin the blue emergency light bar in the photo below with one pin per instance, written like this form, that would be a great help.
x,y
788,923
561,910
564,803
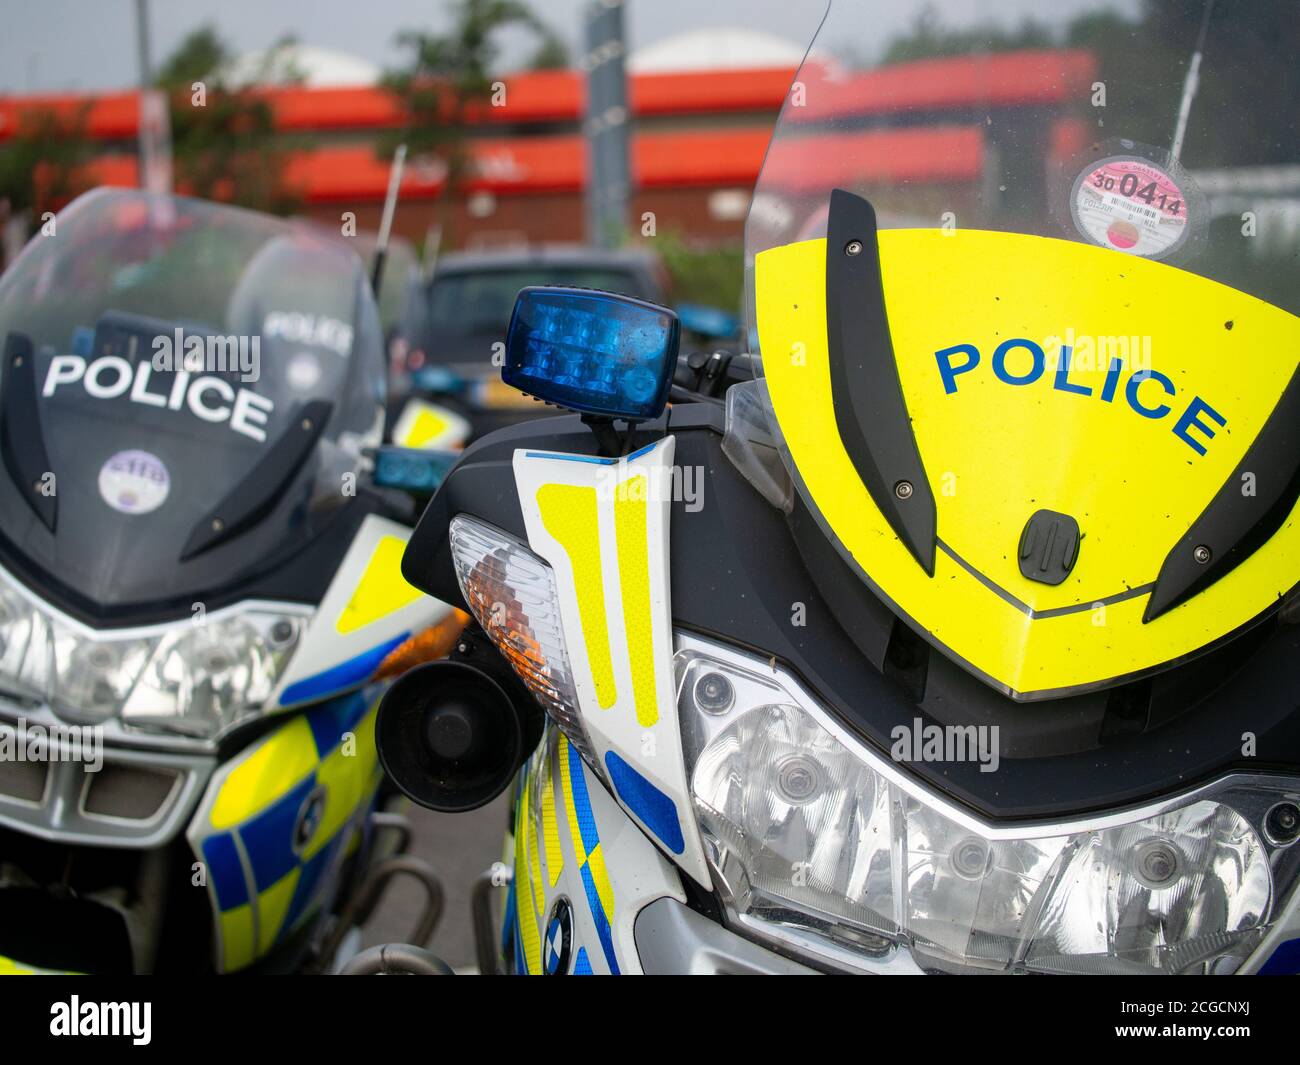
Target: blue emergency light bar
x,y
592,352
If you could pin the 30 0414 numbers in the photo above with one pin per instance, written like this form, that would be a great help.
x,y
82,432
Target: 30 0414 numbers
x,y
1128,186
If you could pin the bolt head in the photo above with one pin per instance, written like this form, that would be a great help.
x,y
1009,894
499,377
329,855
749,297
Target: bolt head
x,y
1282,824
903,489
1202,554
853,247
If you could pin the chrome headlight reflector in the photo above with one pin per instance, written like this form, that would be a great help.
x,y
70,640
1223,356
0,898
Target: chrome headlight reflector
x,y
824,848
201,679
196,677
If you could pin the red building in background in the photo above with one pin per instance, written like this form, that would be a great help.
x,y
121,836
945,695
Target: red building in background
x,y
698,143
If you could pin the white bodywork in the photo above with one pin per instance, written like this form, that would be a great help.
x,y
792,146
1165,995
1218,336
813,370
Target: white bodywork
x,y
648,743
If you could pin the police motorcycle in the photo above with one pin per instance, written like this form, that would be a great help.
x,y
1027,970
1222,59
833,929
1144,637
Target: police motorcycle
x,y
973,650
199,596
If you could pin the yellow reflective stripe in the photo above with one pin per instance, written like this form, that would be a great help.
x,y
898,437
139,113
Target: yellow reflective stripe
x,y
381,590
600,875
539,891
269,772
272,905
526,914
570,810
634,582
236,937
550,826
568,512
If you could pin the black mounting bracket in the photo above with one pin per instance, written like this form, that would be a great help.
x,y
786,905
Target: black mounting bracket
x,y
21,440
609,440
870,409
1237,523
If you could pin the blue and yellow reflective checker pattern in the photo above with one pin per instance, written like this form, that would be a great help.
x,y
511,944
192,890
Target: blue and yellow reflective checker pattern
x,y
279,820
545,798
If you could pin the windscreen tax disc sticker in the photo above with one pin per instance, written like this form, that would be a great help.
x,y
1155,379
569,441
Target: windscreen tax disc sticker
x,y
134,482
1130,204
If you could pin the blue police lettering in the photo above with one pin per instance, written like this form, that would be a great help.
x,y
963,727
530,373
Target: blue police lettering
x,y
1000,362
948,371
1062,382
1191,420
1131,392
1147,392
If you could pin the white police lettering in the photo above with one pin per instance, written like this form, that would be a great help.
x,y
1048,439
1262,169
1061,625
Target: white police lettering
x,y
213,399
309,329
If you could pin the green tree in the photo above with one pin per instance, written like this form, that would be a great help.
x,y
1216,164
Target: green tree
x,y
929,38
1142,59
225,145
1249,87
1244,114
551,54
447,75
43,165
199,54
713,275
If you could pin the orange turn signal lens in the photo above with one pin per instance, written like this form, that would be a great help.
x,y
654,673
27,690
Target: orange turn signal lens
x,y
427,645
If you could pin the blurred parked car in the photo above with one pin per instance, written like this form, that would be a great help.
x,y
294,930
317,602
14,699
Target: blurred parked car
x,y
446,385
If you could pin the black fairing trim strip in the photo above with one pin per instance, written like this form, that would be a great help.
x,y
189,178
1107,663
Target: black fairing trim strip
x,y
257,493
870,409
21,439
1235,525
298,571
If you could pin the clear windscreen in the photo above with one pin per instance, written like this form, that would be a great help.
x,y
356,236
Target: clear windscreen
x,y
398,277
174,344
196,288
1160,128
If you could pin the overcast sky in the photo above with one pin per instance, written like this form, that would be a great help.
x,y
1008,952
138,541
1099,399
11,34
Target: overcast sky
x,y
52,45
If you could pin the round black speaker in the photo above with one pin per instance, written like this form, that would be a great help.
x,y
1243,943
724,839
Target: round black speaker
x,y
448,736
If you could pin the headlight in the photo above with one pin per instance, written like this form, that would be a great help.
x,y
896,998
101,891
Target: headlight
x,y
511,593
193,677
201,679
824,848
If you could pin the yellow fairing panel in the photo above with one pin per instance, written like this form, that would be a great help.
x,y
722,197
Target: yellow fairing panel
x,y
382,589
1134,461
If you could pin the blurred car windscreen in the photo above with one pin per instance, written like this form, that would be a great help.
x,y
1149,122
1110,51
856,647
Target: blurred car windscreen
x,y
465,312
